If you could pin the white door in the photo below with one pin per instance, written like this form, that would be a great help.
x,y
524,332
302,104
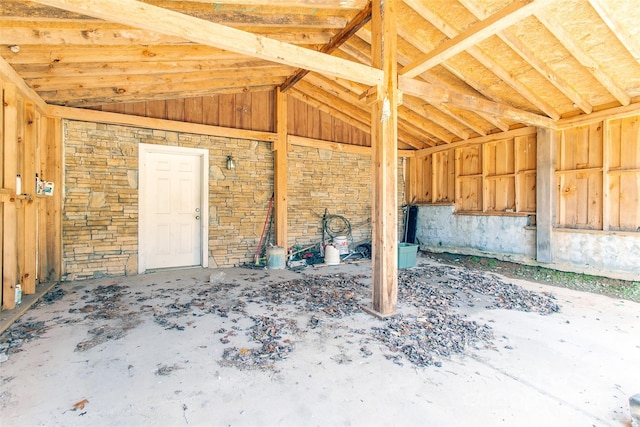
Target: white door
x,y
171,209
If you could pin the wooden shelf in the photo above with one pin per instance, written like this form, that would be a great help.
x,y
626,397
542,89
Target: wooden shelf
x,y
583,170
477,175
623,171
504,175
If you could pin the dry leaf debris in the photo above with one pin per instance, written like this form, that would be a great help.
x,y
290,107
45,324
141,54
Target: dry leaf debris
x,y
259,322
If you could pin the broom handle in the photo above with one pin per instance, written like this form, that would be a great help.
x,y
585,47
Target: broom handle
x,y
256,258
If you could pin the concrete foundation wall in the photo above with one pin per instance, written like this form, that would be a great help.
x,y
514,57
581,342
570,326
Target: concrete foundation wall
x,y
100,206
510,238
599,251
439,229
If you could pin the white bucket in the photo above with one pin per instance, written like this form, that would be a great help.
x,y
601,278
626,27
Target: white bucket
x,y
275,257
341,244
331,255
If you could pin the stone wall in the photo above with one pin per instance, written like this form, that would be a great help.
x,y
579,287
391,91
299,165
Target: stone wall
x,y
100,221
100,207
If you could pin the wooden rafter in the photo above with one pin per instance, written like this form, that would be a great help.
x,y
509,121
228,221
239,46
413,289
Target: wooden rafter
x,y
327,4
556,28
483,57
482,30
497,122
432,93
539,65
359,21
84,32
142,15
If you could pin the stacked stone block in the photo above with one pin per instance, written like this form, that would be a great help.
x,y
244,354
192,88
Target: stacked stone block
x,y
100,220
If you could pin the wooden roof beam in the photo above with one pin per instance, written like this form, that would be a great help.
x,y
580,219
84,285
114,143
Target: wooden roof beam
x,y
96,96
476,33
359,21
539,65
413,40
142,15
556,28
127,82
504,74
419,106
10,74
433,93
88,32
365,35
315,4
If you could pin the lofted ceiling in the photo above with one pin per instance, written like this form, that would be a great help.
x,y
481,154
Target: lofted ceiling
x,y
468,68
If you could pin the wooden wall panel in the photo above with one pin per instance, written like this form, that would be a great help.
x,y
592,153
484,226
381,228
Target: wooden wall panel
x,y
24,252
623,174
494,177
525,173
308,121
251,111
210,110
444,177
579,172
469,179
244,110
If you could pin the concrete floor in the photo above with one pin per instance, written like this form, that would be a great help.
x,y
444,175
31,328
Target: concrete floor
x,y
577,367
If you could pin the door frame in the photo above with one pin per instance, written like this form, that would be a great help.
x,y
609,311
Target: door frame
x,y
203,154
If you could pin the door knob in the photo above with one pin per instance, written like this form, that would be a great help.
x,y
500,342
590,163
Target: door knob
x,y
197,209
197,216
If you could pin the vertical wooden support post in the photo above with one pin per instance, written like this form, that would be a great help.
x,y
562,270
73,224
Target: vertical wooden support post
x,y
54,204
384,144
28,264
545,194
280,170
606,160
9,218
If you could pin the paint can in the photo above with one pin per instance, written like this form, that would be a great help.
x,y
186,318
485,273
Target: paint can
x,y
341,244
331,255
18,296
275,257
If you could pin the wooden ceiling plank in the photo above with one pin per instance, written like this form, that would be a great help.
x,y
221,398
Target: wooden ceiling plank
x,y
418,106
483,58
124,92
93,33
360,20
632,44
142,15
212,78
319,4
336,90
346,107
411,119
528,55
304,97
476,33
73,70
162,96
557,29
432,93
446,109
35,54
